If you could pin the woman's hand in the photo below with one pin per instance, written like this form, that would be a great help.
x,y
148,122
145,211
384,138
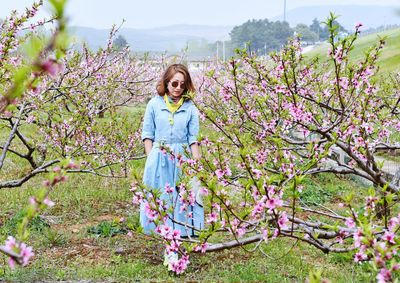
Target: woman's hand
x,y
148,145
195,149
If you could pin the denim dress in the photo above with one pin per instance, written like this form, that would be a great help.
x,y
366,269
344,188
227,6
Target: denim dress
x,y
161,169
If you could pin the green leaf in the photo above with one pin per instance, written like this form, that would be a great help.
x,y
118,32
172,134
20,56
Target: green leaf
x,y
315,276
61,44
34,47
348,198
299,179
58,6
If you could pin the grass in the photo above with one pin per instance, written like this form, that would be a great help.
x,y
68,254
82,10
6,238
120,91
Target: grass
x,y
389,60
80,243
80,238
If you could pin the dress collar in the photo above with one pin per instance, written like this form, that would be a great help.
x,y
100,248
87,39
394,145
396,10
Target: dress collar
x,y
184,106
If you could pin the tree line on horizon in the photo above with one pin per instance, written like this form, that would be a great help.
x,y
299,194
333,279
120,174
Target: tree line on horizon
x,y
257,36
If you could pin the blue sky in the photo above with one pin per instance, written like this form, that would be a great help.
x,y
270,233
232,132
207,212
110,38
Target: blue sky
x,y
150,13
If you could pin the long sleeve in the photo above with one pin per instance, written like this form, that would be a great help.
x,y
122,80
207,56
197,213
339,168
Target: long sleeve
x,y
193,127
148,129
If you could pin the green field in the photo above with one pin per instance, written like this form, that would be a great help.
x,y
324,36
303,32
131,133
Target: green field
x,y
82,238
79,239
389,60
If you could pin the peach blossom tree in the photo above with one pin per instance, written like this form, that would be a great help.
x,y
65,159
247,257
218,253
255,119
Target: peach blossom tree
x,y
272,124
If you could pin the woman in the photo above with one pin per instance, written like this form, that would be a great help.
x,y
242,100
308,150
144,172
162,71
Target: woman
x,y
171,119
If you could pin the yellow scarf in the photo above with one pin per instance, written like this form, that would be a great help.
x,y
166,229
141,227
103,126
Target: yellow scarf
x,y
172,107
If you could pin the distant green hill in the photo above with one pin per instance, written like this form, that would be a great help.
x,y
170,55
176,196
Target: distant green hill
x,y
389,59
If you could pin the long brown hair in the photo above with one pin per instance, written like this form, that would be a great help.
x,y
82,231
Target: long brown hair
x,y
169,73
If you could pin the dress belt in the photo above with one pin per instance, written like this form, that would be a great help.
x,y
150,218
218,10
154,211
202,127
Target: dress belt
x,y
169,141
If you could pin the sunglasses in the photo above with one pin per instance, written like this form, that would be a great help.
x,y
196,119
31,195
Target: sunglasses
x,y
176,83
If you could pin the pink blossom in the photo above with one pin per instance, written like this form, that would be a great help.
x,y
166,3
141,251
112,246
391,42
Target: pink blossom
x,y
396,267
283,220
360,256
212,218
384,276
279,68
176,234
254,114
11,263
191,162
379,261
275,234
240,232
261,157
350,222
393,222
265,235
150,213
357,236
220,173
273,203
341,236
173,246
165,231
280,89
179,266
258,209
338,54
137,198
227,96
32,200
51,67
168,188
57,169
26,253
133,186
48,202
205,141
226,92
257,173
46,183
389,236
204,191
202,248
10,243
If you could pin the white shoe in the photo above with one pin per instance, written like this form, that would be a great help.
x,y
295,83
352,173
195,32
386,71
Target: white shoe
x,y
169,259
195,185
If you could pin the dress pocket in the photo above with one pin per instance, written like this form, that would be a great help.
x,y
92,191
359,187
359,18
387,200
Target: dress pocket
x,y
150,176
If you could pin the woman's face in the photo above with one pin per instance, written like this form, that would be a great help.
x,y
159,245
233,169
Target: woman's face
x,y
176,85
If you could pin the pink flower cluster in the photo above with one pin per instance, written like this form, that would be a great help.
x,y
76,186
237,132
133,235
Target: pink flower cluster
x,y
23,251
382,252
180,266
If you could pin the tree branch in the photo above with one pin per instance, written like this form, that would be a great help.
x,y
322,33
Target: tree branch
x,y
19,182
11,137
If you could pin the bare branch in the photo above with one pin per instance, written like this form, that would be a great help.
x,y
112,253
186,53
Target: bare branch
x,y
19,182
93,171
235,243
11,137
